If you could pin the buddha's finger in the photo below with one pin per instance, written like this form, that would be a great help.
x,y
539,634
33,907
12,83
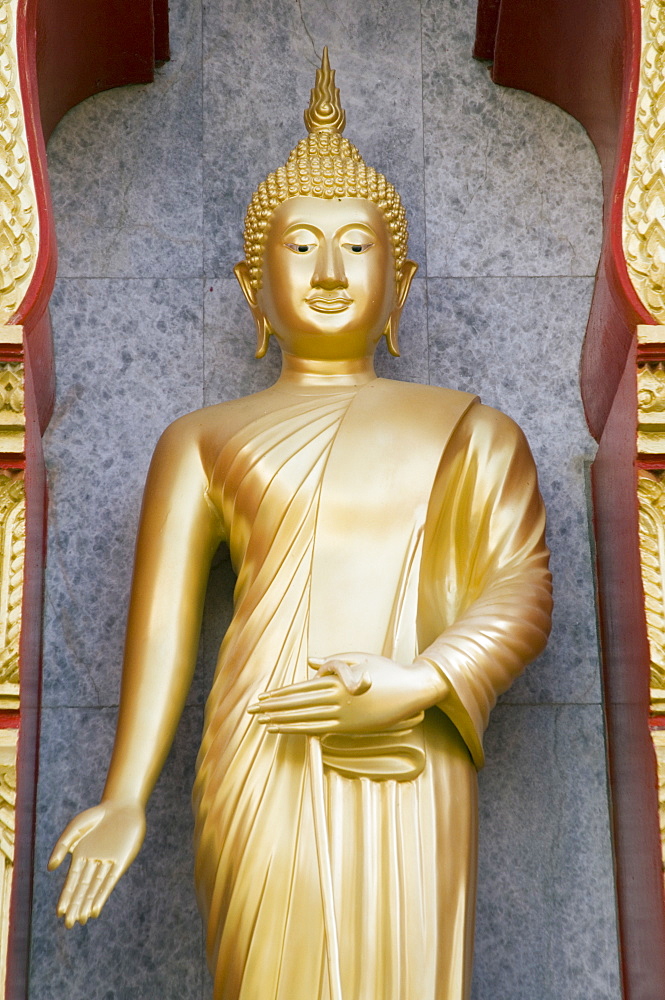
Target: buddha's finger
x,y
85,878
300,700
319,714
67,840
322,689
102,871
313,684
105,890
354,682
70,885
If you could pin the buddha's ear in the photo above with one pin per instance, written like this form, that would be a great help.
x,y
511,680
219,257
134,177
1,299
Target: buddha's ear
x,y
409,269
263,331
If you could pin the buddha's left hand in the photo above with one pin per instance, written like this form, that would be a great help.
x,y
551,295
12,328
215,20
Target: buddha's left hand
x,y
352,693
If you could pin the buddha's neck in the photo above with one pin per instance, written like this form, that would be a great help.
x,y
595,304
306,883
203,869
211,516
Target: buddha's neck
x,y
310,371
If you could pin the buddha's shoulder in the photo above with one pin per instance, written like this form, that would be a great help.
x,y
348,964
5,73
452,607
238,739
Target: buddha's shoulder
x,y
442,403
416,396
212,425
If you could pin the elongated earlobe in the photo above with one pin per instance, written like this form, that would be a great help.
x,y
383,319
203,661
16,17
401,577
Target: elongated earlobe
x,y
390,334
409,268
263,332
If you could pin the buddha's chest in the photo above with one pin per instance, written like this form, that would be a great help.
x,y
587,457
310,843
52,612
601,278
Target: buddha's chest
x,y
346,493
367,544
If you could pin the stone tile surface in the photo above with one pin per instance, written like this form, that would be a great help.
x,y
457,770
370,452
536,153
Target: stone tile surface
x,y
413,362
502,196
258,71
231,370
516,342
126,170
129,361
546,920
75,751
146,945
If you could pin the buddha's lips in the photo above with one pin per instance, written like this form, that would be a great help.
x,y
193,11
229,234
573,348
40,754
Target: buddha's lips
x,y
328,303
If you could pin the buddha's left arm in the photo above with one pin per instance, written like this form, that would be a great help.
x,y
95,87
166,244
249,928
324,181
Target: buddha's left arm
x,y
178,535
485,592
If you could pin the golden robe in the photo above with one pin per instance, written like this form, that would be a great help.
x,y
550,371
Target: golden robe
x,y
418,508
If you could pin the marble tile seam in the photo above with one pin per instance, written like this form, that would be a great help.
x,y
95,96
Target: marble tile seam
x,y
108,707
202,188
427,334
506,277
422,274
200,276
573,703
195,706
422,119
426,202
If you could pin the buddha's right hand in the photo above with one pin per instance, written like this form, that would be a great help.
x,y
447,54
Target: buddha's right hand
x,y
103,842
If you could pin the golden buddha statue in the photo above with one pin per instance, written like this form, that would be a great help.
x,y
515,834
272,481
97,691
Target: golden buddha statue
x,y
392,581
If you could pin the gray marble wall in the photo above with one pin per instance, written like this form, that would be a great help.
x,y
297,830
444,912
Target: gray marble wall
x,y
150,185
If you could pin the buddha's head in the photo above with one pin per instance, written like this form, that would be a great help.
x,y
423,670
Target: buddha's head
x,y
325,266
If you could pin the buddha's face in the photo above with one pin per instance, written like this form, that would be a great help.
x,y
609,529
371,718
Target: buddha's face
x,y
329,286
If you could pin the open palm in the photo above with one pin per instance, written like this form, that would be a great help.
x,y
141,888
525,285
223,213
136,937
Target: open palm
x,y
103,842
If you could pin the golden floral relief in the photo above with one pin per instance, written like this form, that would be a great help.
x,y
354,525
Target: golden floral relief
x,y
651,409
651,497
644,211
12,407
658,737
8,744
18,210
12,552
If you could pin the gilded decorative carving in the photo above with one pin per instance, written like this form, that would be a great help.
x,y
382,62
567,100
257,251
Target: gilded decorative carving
x,y
8,744
651,497
651,409
658,738
12,413
12,552
644,202
18,210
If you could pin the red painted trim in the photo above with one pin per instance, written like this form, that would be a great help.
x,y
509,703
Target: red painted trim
x,y
487,22
632,764
69,50
651,463
585,58
87,47
162,46
32,313
31,678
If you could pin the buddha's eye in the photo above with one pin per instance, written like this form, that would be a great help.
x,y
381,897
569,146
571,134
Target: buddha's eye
x,y
357,247
300,247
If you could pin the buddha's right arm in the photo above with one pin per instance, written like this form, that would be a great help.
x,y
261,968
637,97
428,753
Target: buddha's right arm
x,y
178,535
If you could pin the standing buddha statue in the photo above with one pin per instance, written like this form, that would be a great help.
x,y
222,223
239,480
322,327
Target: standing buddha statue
x,y
392,581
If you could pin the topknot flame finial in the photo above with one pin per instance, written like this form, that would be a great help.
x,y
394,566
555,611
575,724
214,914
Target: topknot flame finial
x,y
325,113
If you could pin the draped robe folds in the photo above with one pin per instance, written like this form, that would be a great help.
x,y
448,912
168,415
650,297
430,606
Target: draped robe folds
x,y
424,519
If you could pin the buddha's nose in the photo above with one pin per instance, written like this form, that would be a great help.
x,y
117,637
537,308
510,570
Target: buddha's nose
x,y
329,268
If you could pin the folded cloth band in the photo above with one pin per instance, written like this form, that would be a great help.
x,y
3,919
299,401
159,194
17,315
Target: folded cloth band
x,y
398,754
